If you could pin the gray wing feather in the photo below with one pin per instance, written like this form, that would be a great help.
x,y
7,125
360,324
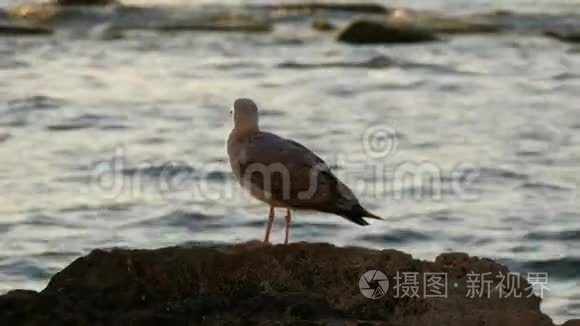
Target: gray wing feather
x,y
289,172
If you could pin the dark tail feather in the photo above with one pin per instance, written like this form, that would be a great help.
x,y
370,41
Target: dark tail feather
x,y
370,215
356,215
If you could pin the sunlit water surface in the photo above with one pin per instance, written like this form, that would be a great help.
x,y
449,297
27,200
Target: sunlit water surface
x,y
494,118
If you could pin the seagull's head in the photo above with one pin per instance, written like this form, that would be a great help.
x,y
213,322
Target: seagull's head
x,y
245,114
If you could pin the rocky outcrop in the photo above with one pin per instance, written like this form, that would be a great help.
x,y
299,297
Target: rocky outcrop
x,y
17,28
313,7
298,284
572,37
372,32
86,2
322,25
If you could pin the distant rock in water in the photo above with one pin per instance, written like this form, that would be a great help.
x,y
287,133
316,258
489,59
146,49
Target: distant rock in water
x,y
311,7
371,32
14,28
4,135
322,25
572,37
300,283
86,2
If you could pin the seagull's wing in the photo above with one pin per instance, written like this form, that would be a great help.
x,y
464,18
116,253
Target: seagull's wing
x,y
281,168
291,175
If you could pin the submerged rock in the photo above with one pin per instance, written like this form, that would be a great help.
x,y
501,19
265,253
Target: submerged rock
x,y
4,136
43,12
311,7
86,2
369,32
122,18
301,283
14,28
456,25
531,23
437,23
322,25
572,37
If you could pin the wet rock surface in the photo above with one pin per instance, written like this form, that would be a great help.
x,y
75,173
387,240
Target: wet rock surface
x,y
572,37
86,2
305,283
23,29
371,32
356,23
353,7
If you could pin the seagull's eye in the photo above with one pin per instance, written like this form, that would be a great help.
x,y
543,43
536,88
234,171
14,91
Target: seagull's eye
x,y
231,112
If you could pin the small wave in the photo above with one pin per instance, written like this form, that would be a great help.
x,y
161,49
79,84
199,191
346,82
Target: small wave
x,y
4,136
561,268
5,228
499,173
436,68
34,103
566,76
156,171
322,226
69,126
155,140
85,121
51,255
532,22
295,226
180,218
227,66
568,235
373,63
396,236
24,266
217,176
43,220
542,186
113,207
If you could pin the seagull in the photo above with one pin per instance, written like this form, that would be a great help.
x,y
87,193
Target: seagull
x,y
285,174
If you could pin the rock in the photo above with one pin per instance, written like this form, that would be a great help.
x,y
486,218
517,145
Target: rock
x,y
4,135
23,29
299,284
457,26
322,25
311,7
371,32
435,23
42,12
572,37
575,322
86,2
531,23
123,18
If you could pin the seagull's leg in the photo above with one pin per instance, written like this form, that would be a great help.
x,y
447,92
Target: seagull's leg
x,y
288,220
269,225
